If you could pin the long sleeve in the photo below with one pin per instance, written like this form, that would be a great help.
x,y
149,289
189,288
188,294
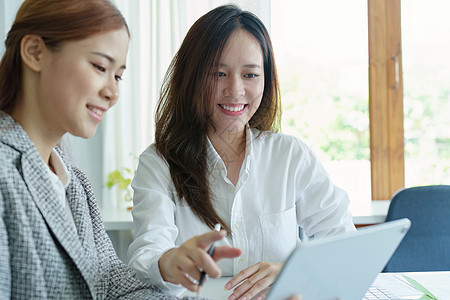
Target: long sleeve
x,y
154,213
322,207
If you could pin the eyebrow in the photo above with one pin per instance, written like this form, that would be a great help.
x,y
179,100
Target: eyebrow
x,y
255,66
111,60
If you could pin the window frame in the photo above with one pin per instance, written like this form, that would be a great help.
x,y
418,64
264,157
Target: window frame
x,y
385,98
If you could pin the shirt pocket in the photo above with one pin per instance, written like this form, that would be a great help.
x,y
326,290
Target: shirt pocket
x,y
279,234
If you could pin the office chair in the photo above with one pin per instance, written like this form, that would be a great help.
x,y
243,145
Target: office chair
x,y
426,247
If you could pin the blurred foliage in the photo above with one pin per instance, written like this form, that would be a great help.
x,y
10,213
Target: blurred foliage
x,y
122,178
338,126
427,134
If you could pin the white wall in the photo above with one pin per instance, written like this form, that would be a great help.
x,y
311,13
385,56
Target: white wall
x,y
8,9
87,156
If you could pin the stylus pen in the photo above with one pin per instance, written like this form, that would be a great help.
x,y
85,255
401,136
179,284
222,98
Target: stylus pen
x,y
210,252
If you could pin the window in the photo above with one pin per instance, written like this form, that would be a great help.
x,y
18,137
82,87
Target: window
x,y
322,58
352,118
426,69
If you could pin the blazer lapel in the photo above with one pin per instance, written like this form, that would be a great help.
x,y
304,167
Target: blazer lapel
x,y
73,240
80,211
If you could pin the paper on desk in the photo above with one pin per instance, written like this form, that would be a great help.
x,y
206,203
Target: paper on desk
x,y
437,283
419,287
397,285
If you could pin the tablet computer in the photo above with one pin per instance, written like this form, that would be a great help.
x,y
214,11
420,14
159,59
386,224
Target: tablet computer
x,y
341,266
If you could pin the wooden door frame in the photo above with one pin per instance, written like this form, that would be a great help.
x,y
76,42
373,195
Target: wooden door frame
x,y
385,98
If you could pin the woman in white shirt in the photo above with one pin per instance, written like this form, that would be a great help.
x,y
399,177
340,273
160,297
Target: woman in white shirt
x,y
218,159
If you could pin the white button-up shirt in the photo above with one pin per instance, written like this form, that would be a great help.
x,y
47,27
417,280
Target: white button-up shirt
x,y
281,186
60,181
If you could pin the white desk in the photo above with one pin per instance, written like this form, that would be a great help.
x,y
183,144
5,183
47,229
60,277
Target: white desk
x,y
213,288
116,218
371,213
436,282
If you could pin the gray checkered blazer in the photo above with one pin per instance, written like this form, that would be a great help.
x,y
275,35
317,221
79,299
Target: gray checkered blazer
x,y
41,255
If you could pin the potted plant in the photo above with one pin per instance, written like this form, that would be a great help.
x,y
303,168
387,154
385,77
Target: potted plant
x,y
122,178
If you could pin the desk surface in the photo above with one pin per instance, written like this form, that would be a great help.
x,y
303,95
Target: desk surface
x,y
436,282
370,213
213,288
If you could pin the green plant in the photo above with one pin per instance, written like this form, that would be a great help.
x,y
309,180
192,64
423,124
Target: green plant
x,y
122,178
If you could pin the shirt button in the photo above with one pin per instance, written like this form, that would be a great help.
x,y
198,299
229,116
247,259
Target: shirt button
x,y
240,261
236,226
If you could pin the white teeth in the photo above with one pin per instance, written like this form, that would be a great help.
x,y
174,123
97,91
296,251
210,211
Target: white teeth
x,y
232,108
96,110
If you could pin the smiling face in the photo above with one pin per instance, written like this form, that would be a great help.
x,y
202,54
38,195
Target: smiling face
x,y
80,82
240,83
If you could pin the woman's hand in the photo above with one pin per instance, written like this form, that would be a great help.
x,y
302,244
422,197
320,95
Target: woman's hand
x,y
182,265
258,278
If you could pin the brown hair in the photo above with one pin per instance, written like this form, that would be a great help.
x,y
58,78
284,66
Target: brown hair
x,y
55,21
183,114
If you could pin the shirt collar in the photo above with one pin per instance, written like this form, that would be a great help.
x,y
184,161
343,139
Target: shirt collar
x,y
60,168
214,160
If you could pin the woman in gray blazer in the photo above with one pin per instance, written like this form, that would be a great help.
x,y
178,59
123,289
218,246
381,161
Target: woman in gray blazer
x,y
60,74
